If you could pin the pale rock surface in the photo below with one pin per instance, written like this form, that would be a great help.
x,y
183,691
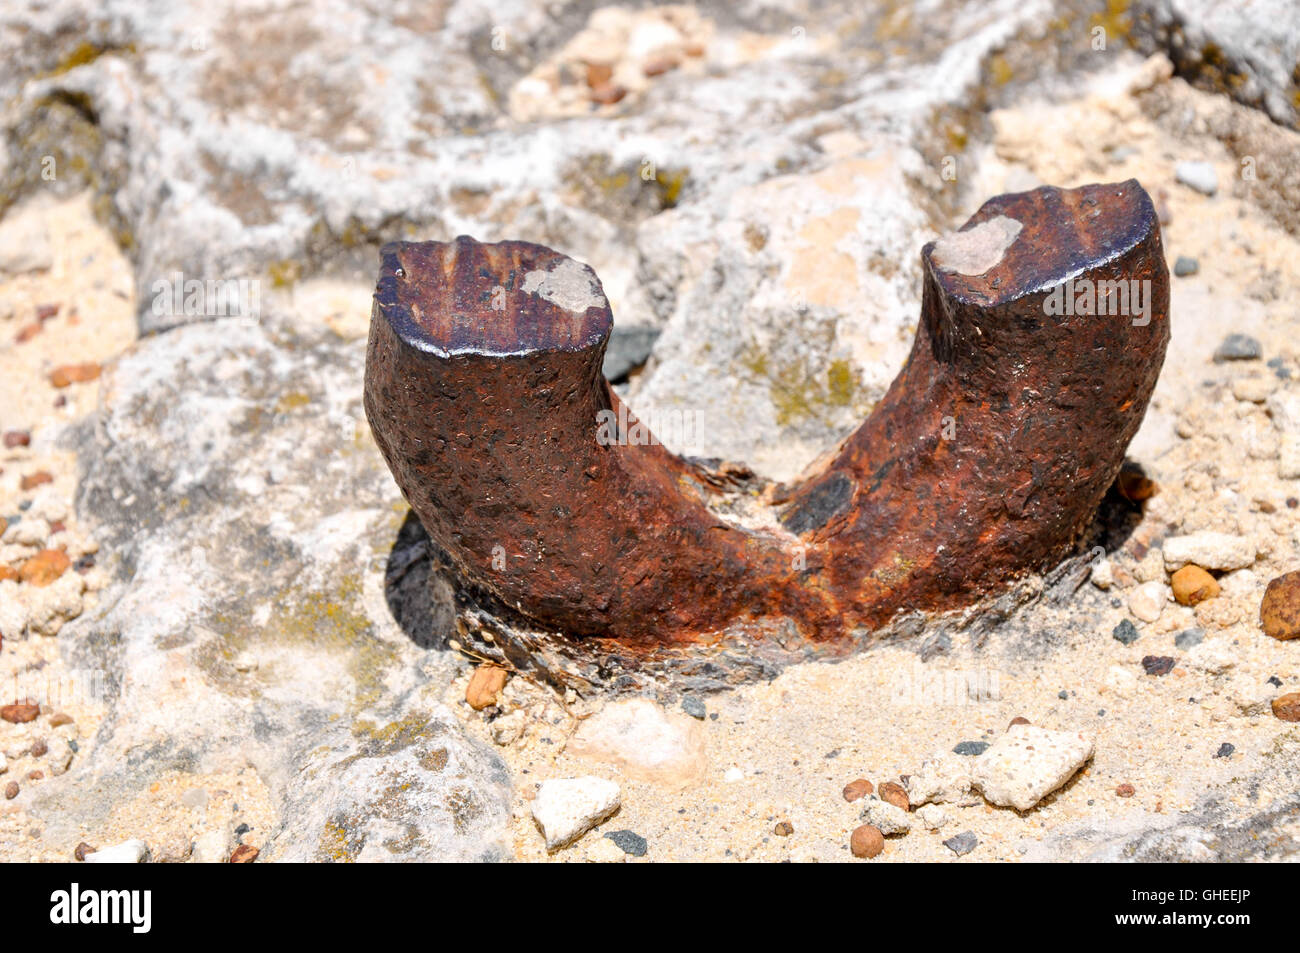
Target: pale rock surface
x,y
942,778
1027,763
1147,601
127,852
566,808
932,816
1209,550
644,741
888,818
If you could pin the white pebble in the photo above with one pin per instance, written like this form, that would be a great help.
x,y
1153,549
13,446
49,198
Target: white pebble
x,y
888,818
932,816
1027,763
942,778
1148,600
1198,175
127,852
1209,550
1103,574
566,808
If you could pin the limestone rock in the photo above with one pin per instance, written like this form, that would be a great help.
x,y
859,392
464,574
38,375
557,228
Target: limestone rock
x,y
1027,763
566,808
127,852
943,778
1209,550
645,741
887,818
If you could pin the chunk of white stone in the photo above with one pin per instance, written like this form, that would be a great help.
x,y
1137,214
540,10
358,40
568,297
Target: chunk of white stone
x,y
942,778
58,755
1028,763
1103,574
128,852
932,816
1147,601
1211,658
1209,550
566,808
888,818
1199,175
645,742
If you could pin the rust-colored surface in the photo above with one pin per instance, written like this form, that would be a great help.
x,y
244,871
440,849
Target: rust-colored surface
x,y
984,461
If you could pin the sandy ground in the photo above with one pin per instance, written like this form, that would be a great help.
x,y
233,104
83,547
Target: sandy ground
x,y
783,751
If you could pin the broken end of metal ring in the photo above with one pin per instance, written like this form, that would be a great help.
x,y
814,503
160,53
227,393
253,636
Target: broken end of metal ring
x,y
1044,323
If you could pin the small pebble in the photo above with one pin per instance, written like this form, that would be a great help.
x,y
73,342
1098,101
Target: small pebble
x,y
1238,347
961,844
1225,750
45,567
1279,611
11,790
244,854
485,686
1126,632
1287,707
1157,664
1018,720
82,850
783,829
33,480
20,713
127,852
68,374
893,793
39,748
1063,695
17,438
1189,638
1198,175
971,748
857,790
694,707
1192,585
1125,790
1185,266
629,842
866,841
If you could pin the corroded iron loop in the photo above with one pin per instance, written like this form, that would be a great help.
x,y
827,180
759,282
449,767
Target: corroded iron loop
x,y
984,461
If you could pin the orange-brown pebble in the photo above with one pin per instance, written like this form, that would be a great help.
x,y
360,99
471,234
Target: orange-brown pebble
x,y
45,567
599,74
857,790
1018,720
1135,487
20,713
1125,790
68,374
33,480
1287,707
893,792
607,93
485,686
244,854
1279,612
1193,585
866,841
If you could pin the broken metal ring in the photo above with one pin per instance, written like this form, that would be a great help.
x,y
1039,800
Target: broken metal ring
x,y
1043,327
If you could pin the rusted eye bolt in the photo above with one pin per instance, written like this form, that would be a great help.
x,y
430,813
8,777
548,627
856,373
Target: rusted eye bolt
x,y
1043,327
